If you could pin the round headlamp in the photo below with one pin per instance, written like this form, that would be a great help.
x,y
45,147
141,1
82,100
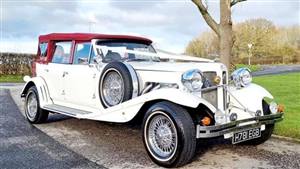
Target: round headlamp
x,y
241,77
192,80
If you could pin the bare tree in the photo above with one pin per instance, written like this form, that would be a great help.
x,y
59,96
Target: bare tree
x,y
222,29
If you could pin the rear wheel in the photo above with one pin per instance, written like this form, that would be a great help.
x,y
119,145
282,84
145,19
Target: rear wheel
x,y
169,134
267,133
33,112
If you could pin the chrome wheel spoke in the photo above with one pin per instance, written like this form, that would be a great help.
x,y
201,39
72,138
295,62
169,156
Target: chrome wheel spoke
x,y
113,88
162,136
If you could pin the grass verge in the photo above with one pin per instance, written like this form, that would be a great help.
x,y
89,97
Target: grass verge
x,y
286,90
11,78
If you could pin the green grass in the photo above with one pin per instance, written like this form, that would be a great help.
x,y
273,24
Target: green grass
x,y
286,90
253,68
11,78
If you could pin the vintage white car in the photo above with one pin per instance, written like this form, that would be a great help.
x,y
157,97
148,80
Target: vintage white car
x,y
178,99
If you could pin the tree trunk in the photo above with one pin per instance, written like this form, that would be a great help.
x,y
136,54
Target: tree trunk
x,y
226,41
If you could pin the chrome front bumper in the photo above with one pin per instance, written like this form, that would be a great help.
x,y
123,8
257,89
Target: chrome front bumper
x,y
231,127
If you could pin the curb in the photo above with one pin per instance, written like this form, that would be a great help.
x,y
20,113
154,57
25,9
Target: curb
x,y
286,138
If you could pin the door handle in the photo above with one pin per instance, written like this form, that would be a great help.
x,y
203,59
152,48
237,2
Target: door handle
x,y
46,70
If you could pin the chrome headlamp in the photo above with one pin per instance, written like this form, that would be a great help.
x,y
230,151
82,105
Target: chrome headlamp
x,y
241,77
192,80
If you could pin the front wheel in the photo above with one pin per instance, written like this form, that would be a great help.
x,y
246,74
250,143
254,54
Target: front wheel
x,y
169,134
33,112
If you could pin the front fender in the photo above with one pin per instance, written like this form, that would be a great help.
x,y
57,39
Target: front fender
x,y
126,111
40,84
179,97
250,96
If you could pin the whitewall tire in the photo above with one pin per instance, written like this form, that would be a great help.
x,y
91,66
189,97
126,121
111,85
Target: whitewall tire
x,y
169,134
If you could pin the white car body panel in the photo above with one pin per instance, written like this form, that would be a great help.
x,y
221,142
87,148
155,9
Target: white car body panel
x,y
85,94
53,76
170,72
250,97
126,111
42,88
176,66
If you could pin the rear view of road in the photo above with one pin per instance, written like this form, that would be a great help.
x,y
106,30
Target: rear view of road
x,y
24,146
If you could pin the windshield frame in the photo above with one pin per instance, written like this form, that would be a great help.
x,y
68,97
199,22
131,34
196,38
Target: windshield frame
x,y
157,56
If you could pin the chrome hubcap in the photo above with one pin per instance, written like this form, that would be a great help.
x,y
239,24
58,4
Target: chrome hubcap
x,y
32,105
162,137
113,88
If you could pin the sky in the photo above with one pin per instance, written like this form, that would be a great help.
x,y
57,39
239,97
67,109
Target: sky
x,y
171,24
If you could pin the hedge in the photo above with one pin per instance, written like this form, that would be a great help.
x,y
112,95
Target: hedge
x,y
15,63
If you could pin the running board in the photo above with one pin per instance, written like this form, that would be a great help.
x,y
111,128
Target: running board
x,y
65,110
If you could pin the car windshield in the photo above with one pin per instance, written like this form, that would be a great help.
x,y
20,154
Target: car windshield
x,y
125,51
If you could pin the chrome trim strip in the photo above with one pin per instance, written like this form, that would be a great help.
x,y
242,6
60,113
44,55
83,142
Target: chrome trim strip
x,y
65,110
42,92
45,93
146,89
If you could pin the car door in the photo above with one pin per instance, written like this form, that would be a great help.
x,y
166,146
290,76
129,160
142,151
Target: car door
x,y
54,72
82,77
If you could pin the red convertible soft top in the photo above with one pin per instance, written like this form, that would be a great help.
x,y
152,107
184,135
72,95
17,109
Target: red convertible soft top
x,y
88,37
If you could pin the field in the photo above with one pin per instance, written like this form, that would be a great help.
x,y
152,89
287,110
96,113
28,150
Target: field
x,y
286,90
11,79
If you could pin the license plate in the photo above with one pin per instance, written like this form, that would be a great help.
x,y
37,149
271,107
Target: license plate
x,y
246,135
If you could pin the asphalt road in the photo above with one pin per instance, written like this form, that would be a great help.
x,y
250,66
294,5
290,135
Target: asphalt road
x,y
65,142
24,146
276,69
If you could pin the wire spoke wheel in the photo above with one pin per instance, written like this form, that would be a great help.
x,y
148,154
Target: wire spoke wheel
x,y
116,85
33,112
113,88
32,105
161,136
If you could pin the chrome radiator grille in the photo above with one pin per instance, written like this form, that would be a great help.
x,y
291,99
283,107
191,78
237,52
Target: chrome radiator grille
x,y
210,77
211,95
